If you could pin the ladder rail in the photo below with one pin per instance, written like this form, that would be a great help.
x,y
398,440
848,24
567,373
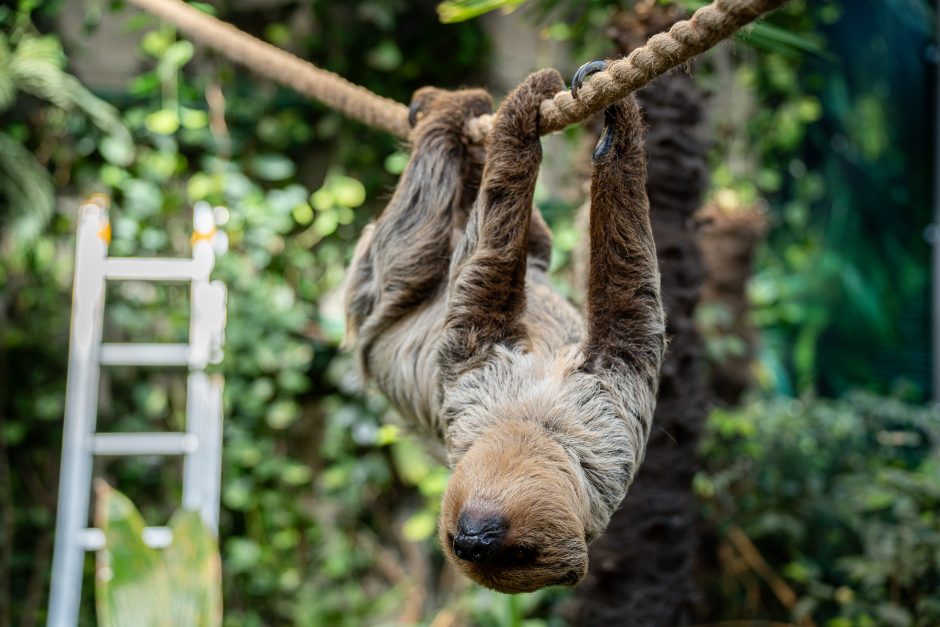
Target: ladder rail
x,y
80,417
213,437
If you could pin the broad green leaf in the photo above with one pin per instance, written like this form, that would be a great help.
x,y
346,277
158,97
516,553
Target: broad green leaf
x,y
132,588
179,586
194,571
452,11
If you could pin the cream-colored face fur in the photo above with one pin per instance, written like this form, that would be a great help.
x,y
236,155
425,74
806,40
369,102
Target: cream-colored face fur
x,y
523,480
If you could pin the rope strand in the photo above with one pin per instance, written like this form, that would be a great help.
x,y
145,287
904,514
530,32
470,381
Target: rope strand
x,y
707,27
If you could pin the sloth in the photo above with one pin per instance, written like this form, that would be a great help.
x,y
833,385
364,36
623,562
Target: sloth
x,y
543,413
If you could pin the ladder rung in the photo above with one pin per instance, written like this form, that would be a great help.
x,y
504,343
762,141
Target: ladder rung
x,y
142,269
93,539
144,354
143,443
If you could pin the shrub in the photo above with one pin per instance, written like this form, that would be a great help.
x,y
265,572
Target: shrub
x,y
840,498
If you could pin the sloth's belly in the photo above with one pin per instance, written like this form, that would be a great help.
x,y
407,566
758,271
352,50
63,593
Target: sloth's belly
x,y
553,323
403,362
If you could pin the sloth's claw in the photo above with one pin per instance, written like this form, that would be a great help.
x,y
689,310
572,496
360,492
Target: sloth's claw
x,y
591,67
577,81
413,110
607,136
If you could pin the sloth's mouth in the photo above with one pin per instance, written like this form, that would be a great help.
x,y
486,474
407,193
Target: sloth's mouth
x,y
518,556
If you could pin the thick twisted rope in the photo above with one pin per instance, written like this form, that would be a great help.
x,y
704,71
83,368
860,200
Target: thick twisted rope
x,y
707,27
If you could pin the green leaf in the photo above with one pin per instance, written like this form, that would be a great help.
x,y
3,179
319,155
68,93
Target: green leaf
x,y
347,191
272,167
163,122
395,163
303,214
194,118
776,39
411,462
452,11
420,526
194,571
132,587
27,195
156,42
174,58
180,586
388,434
205,7
7,82
283,414
296,474
385,57
326,223
322,199
117,149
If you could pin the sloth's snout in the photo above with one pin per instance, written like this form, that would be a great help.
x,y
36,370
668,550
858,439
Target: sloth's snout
x,y
479,536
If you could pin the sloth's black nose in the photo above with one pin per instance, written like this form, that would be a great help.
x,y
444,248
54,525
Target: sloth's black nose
x,y
478,536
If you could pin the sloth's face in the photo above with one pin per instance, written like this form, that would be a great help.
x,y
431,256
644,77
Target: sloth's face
x,y
512,515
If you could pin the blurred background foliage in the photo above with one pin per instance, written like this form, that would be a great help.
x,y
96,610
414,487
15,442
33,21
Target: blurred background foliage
x,y
819,120
841,497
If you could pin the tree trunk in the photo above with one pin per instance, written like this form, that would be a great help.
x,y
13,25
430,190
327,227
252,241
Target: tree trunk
x,y
728,238
642,568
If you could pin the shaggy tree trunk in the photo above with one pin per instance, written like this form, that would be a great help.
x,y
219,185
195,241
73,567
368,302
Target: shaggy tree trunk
x,y
642,568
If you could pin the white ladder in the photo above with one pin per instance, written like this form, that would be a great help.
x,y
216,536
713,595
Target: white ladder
x,y
201,443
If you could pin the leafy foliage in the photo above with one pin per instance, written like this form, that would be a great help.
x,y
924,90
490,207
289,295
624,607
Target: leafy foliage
x,y
34,65
840,498
837,151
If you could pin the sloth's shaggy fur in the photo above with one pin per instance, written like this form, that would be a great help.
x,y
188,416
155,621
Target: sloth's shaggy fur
x,y
543,416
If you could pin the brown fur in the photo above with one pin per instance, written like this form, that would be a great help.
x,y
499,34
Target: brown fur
x,y
543,418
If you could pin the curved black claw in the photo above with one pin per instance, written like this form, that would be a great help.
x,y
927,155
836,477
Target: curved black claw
x,y
607,136
591,67
413,110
